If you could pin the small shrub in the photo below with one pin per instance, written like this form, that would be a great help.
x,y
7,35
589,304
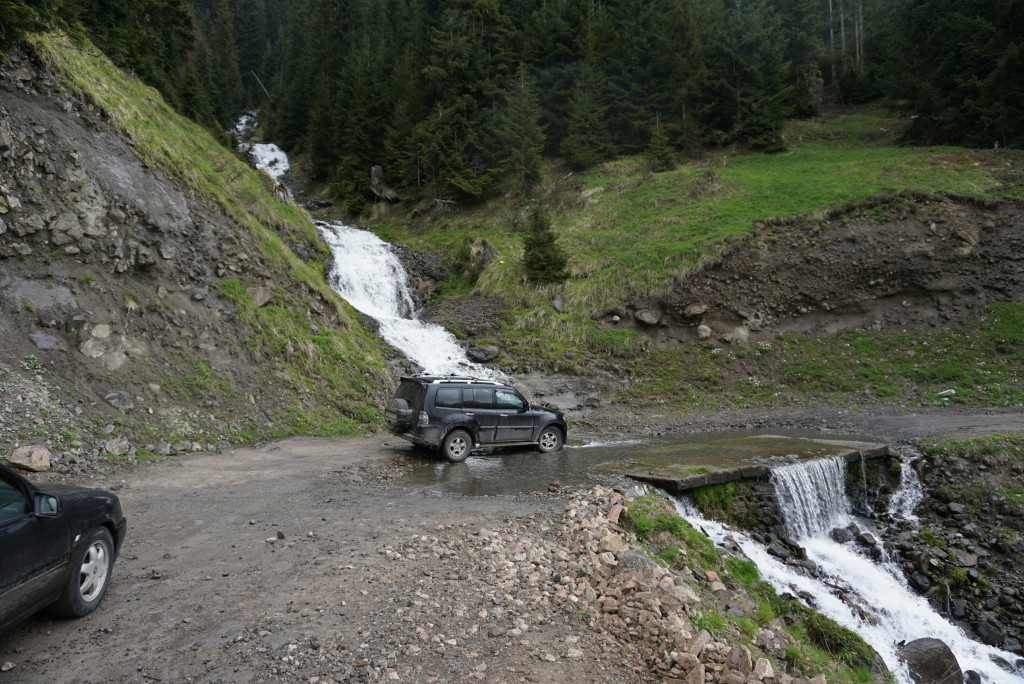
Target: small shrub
x,y
709,621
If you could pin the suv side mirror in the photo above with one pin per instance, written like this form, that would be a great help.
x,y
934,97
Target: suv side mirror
x,y
45,505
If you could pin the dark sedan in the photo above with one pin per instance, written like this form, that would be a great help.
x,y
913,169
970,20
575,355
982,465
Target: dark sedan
x,y
57,547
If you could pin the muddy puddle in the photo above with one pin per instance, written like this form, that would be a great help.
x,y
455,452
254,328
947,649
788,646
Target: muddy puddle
x,y
523,471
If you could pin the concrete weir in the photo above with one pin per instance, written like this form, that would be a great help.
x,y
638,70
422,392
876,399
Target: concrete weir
x,y
682,477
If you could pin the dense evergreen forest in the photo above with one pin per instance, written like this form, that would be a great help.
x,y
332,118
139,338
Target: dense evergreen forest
x,y
461,99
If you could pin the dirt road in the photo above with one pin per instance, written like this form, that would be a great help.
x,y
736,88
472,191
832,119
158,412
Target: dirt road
x,y
299,562
303,561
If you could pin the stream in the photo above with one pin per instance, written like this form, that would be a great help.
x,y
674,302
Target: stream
x,y
872,598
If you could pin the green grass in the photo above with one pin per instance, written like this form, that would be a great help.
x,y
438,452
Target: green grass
x,y
631,234
1008,446
715,500
983,363
709,621
743,570
652,514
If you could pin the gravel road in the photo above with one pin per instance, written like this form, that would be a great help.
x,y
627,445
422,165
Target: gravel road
x,y
299,561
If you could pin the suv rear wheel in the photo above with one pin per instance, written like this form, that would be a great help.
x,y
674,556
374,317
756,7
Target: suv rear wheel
x,y
457,445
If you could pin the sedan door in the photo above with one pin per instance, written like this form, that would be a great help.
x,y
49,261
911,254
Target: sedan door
x,y
516,422
36,552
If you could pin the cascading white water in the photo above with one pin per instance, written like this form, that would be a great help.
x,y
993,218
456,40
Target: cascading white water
x,y
905,499
812,496
267,157
873,599
371,278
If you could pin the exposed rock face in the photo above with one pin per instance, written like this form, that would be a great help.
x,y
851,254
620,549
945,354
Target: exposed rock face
x,y
969,563
111,275
931,662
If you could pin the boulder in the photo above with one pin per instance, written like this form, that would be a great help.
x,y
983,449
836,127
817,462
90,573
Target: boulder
x,y
931,662
119,446
703,332
647,316
482,354
634,561
33,458
44,341
695,309
120,399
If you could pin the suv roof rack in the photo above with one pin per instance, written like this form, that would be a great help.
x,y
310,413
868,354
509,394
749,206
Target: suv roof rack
x,y
459,379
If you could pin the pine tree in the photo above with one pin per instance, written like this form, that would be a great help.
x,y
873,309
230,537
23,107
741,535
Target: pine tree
x,y
520,135
18,17
586,142
543,258
660,155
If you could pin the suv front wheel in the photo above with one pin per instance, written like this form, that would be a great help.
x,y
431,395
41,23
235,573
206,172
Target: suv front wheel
x,y
550,439
457,445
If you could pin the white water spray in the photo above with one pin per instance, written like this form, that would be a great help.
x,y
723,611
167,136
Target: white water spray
x,y
266,157
910,493
872,599
371,278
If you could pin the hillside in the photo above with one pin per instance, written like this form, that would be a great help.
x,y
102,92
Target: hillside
x,y
737,279
151,287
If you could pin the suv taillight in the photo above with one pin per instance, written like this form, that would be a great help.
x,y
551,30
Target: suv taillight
x,y
424,419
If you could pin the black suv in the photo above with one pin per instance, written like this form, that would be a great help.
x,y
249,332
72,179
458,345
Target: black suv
x,y
459,414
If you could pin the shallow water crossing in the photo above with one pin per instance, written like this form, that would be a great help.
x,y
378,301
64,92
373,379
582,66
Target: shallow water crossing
x,y
521,471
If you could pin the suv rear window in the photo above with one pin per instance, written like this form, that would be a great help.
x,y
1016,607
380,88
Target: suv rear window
x,y
412,392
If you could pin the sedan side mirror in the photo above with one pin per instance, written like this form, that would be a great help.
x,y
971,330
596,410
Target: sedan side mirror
x,y
46,505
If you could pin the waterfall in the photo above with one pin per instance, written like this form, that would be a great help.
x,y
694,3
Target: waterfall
x,y
266,157
367,274
910,493
812,497
871,598
371,278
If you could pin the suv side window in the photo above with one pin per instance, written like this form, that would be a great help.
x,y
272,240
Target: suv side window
x,y
508,399
13,502
478,398
448,397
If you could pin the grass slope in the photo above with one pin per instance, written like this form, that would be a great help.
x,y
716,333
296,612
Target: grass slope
x,y
631,234
329,377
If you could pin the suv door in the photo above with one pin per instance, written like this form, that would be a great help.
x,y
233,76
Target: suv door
x,y
478,403
516,422
33,565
